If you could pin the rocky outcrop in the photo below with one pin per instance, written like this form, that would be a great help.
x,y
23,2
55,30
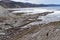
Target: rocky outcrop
x,y
48,31
27,27
12,25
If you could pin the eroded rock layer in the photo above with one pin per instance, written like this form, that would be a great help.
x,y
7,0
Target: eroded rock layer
x,y
27,27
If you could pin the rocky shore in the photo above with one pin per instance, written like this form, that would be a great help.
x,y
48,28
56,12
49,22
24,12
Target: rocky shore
x,y
27,27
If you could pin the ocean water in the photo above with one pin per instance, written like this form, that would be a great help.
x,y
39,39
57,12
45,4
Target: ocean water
x,y
54,7
52,17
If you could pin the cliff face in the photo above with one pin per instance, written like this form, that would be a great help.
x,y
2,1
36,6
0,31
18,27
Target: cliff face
x,y
3,11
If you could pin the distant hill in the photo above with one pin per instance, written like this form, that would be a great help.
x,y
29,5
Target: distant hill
x,y
12,4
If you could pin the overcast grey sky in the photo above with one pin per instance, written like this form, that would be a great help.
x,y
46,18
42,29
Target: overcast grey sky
x,y
40,1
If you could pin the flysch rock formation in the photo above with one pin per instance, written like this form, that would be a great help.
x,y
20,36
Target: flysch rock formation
x,y
48,31
20,27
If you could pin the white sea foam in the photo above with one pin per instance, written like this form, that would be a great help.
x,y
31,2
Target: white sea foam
x,y
31,10
52,17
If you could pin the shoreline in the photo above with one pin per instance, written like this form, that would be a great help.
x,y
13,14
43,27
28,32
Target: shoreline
x,y
29,26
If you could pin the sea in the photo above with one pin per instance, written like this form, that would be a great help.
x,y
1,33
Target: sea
x,y
53,17
54,7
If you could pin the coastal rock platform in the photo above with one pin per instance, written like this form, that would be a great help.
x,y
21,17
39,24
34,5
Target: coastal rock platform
x,y
27,27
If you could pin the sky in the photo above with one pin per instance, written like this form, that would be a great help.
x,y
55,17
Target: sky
x,y
40,1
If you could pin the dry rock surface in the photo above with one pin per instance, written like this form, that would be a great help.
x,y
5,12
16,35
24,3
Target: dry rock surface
x,y
27,27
